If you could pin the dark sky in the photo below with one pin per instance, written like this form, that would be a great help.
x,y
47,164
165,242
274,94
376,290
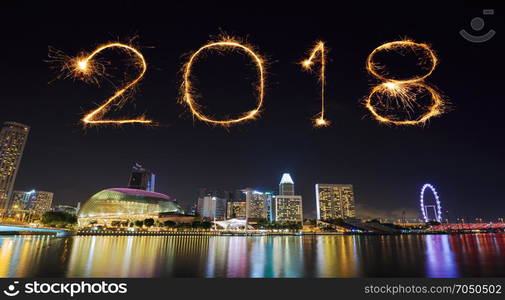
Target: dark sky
x,y
461,153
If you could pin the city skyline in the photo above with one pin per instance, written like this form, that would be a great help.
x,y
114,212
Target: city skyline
x,y
332,200
461,152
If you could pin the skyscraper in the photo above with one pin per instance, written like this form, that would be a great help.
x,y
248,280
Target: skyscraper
x,y
256,206
269,203
141,179
212,207
335,201
30,204
236,210
12,143
286,186
287,206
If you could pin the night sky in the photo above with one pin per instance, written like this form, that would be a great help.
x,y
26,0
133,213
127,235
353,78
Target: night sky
x,y
461,153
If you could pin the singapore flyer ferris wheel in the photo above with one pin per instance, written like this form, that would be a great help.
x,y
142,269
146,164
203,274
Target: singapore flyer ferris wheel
x,y
425,209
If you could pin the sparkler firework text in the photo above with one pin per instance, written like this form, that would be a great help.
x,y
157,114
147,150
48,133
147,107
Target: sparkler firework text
x,y
405,91
87,68
307,65
188,92
386,101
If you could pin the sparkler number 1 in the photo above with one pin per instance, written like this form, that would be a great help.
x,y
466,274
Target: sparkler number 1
x,y
307,65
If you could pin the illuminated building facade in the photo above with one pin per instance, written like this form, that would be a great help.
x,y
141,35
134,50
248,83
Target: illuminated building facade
x,y
335,201
287,205
288,208
256,206
141,179
29,205
212,207
236,210
269,202
286,186
13,138
125,205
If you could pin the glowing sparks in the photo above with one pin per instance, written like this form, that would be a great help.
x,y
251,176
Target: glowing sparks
x,y
405,92
307,65
82,65
85,67
188,92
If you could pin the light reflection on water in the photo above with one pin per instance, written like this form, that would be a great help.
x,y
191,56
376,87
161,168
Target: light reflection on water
x,y
281,256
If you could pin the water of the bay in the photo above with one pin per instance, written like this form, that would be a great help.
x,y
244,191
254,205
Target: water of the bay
x,y
458,255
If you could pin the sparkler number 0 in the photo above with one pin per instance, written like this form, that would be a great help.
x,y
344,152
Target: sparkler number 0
x,y
188,92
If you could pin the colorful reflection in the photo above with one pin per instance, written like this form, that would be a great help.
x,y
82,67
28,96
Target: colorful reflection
x,y
440,258
470,255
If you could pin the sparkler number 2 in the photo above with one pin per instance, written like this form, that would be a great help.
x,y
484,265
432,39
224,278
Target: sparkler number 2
x,y
87,67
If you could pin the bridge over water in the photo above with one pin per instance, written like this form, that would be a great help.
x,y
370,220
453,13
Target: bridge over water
x,y
469,227
25,230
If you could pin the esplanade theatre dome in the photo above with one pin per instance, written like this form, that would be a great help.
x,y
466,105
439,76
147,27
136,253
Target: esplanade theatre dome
x,y
123,204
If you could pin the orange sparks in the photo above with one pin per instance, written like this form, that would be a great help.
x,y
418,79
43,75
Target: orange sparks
x,y
85,68
404,91
188,92
307,65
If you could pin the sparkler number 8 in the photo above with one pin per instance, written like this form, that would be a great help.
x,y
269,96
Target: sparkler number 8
x,y
405,91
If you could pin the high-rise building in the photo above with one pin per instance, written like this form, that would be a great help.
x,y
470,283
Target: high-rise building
x,y
335,201
30,204
212,207
236,206
269,202
236,210
238,196
286,186
141,179
216,193
287,206
13,138
256,206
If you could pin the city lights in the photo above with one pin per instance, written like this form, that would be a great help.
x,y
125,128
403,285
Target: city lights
x,y
188,92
